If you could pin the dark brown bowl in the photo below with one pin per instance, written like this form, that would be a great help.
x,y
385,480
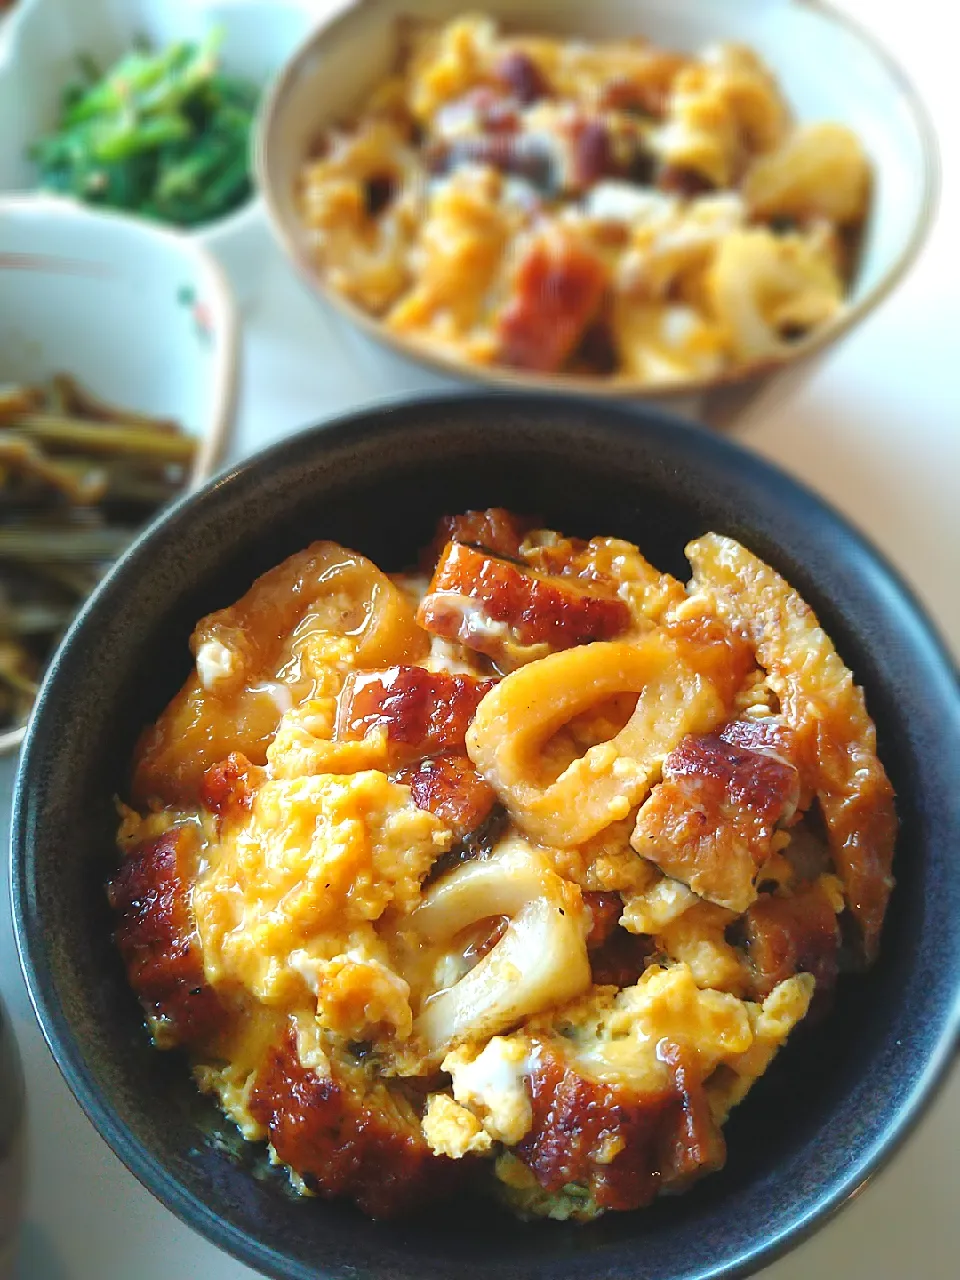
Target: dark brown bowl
x,y
838,1100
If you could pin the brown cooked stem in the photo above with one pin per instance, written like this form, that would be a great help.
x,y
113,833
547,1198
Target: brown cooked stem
x,y
76,398
17,400
77,480
34,618
58,432
70,544
141,491
14,668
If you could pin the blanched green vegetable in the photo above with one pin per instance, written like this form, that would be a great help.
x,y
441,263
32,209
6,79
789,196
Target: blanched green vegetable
x,y
165,135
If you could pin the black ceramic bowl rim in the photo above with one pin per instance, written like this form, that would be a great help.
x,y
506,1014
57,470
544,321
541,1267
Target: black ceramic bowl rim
x,y
678,442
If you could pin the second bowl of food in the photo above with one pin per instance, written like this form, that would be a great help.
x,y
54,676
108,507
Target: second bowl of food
x,y
478,875
630,199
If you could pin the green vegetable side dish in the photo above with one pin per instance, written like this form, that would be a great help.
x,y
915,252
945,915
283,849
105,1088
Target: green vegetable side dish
x,y
164,135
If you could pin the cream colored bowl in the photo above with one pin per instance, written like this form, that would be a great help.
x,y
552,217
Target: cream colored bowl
x,y
827,66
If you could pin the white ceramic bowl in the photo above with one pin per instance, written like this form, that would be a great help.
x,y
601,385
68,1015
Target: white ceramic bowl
x,y
141,315
829,70
39,44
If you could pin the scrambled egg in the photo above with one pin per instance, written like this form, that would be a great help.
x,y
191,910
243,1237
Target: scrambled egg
x,y
452,1130
696,937
491,1082
432,208
723,108
299,879
613,1037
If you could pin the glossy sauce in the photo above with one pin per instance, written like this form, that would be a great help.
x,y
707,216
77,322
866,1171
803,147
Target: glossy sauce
x,y
341,1144
422,712
158,941
321,608
622,1146
482,600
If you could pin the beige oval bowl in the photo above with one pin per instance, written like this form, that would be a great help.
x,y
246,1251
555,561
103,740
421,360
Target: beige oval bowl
x,y
141,315
828,67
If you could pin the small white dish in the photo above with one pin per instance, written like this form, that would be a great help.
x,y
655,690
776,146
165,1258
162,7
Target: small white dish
x,y
142,316
829,69
41,40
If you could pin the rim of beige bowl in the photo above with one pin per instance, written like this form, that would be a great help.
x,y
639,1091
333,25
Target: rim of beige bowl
x,y
213,441
270,115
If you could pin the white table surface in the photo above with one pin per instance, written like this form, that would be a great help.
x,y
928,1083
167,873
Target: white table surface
x,y
877,431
